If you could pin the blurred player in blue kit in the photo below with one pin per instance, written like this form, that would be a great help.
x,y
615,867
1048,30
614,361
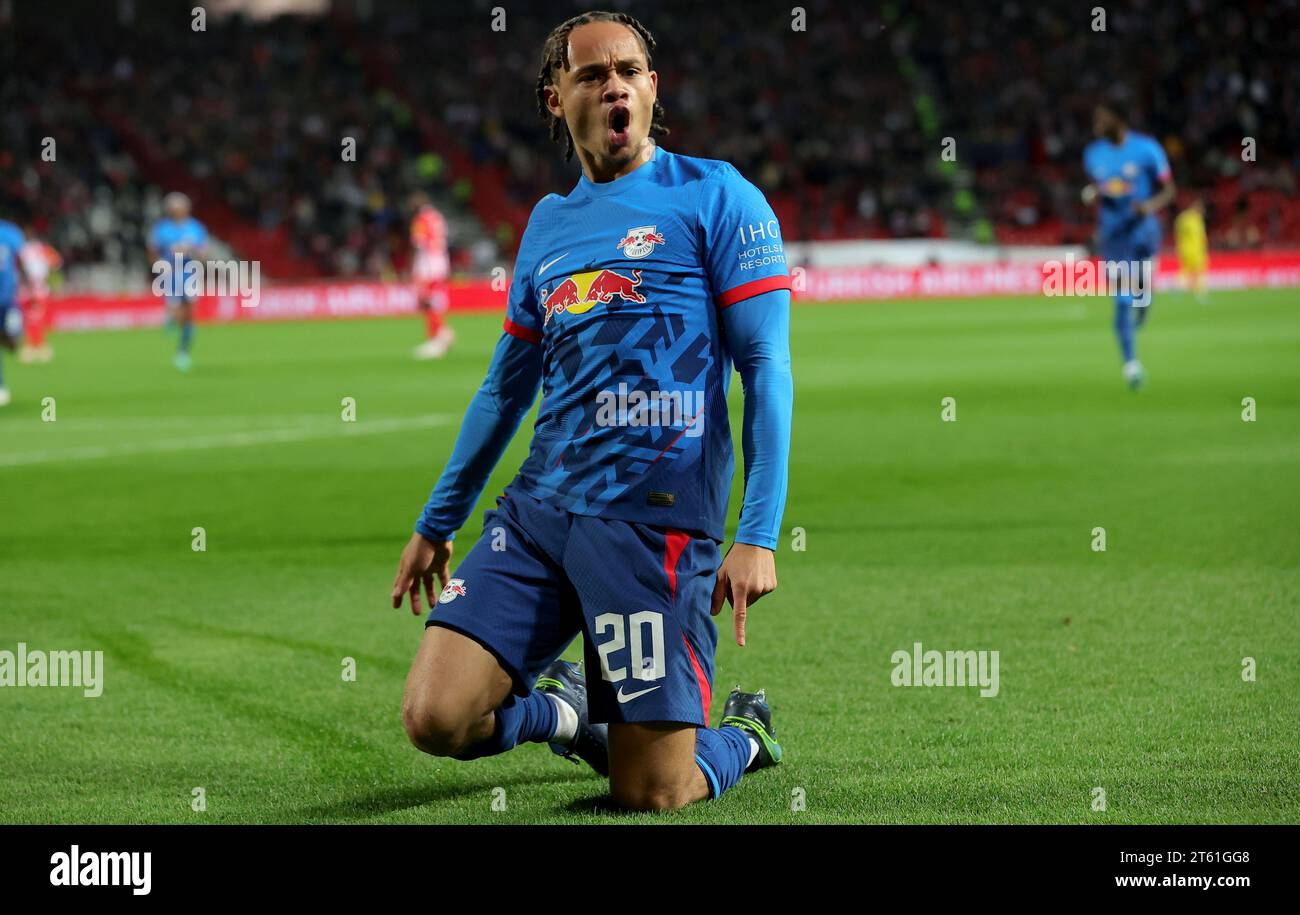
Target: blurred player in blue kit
x,y
11,317
632,297
178,238
1130,181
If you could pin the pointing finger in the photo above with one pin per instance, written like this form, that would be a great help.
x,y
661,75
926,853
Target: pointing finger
x,y
740,601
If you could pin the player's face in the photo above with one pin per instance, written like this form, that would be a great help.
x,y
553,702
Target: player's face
x,y
606,97
178,210
1106,123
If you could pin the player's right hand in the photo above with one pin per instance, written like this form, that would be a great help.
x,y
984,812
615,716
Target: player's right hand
x,y
1089,194
421,562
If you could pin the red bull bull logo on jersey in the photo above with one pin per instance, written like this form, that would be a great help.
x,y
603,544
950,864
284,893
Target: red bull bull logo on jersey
x,y
639,242
581,292
1117,187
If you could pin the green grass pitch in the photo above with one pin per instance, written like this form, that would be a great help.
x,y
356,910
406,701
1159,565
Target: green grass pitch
x,y
1119,670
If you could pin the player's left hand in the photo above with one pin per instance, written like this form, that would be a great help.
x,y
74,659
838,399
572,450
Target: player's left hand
x,y
421,562
747,573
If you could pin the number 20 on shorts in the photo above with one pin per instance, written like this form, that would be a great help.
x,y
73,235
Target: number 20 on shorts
x,y
630,632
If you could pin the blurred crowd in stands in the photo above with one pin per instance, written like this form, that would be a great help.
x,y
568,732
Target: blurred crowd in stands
x,y
841,123
1202,76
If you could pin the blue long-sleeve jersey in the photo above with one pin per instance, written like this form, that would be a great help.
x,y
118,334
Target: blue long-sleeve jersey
x,y
630,302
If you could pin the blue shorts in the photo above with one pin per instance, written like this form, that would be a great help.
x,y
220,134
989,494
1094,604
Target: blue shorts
x,y
11,320
638,593
1140,247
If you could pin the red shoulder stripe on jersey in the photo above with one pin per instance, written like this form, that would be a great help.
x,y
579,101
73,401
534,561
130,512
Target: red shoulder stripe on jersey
x,y
523,333
752,288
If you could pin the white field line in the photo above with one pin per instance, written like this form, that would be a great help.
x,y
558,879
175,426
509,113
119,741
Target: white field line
x,y
170,423
337,429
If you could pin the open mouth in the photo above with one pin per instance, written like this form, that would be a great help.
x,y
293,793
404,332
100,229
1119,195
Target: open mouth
x,y
618,122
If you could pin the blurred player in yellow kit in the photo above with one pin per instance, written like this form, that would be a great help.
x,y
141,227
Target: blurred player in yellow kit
x,y
1193,259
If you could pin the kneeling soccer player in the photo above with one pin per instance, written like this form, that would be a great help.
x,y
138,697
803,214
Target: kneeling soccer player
x,y
632,296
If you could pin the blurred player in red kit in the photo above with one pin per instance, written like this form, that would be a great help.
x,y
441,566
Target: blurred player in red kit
x,y
39,261
429,270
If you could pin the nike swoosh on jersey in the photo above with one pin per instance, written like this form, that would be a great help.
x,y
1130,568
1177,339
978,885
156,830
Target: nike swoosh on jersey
x,y
542,269
630,696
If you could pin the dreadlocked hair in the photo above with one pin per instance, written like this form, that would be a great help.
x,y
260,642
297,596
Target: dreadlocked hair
x,y
555,57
